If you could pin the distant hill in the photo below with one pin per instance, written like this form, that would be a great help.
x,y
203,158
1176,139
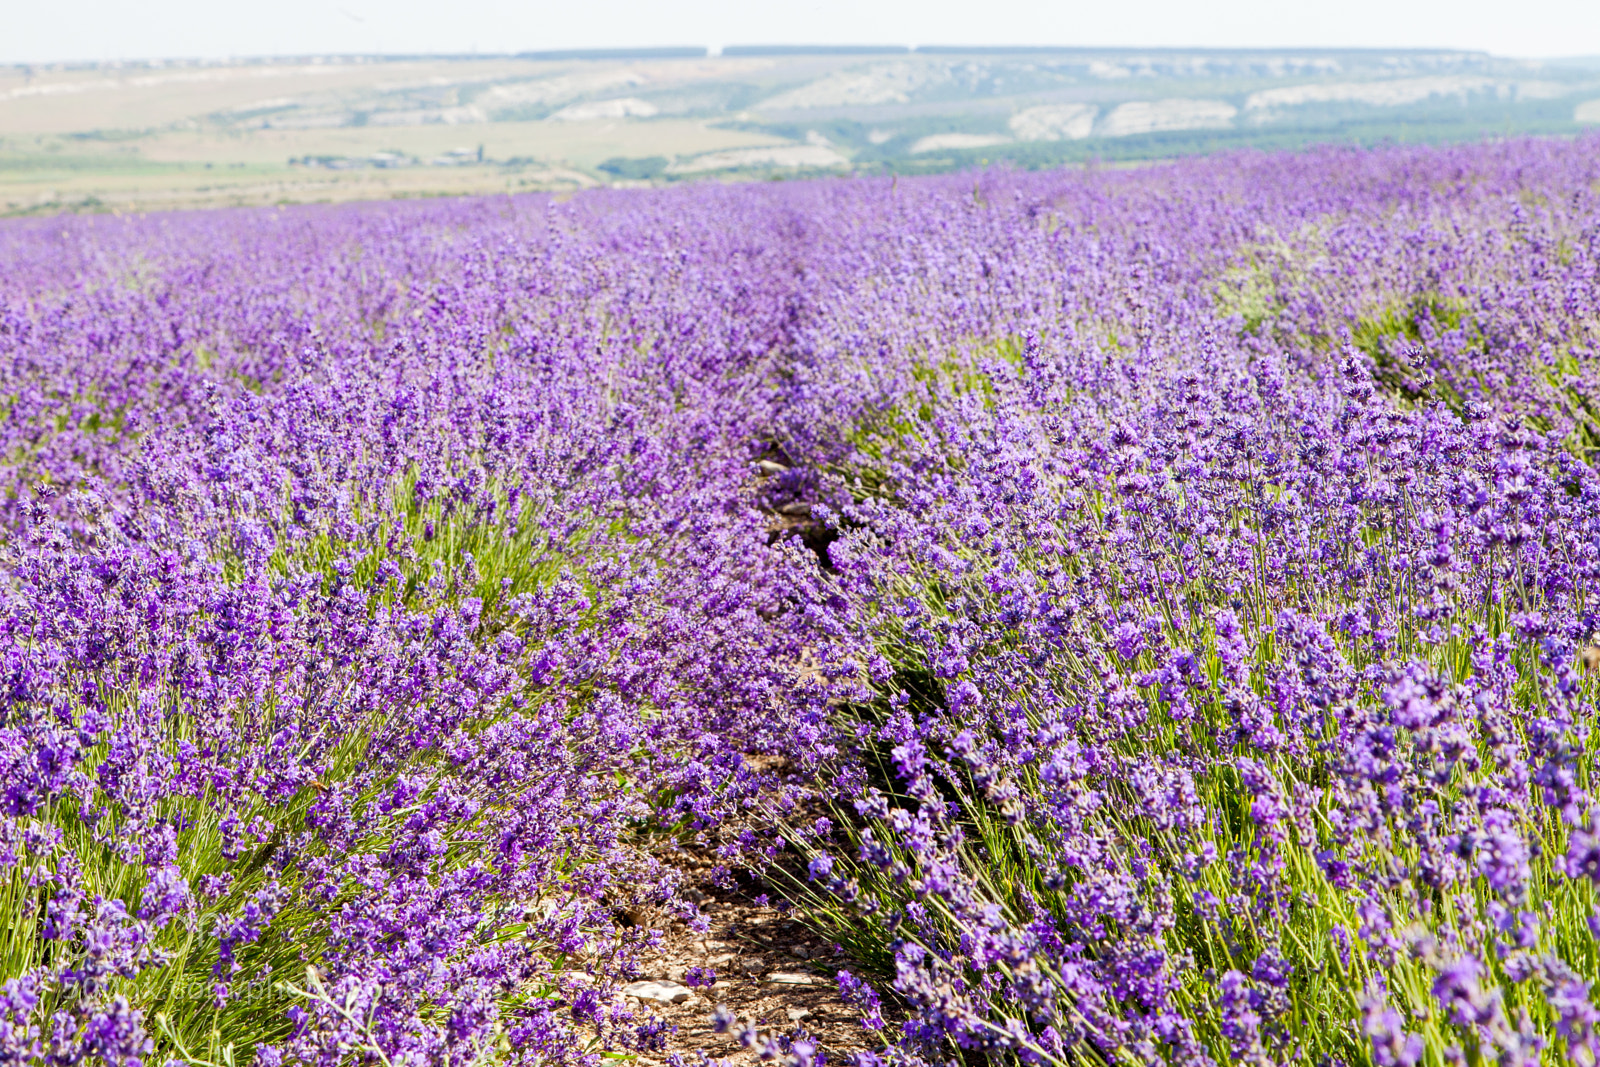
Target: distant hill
x,y
177,133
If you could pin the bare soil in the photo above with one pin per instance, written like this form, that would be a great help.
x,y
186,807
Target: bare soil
x,y
748,944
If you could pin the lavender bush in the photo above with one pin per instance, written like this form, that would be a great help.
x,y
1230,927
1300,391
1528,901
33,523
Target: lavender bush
x,y
1174,586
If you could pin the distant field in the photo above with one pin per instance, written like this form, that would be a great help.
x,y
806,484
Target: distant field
x,y
196,167
138,136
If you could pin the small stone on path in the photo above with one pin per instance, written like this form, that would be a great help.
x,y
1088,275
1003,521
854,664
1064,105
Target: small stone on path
x,y
790,978
658,992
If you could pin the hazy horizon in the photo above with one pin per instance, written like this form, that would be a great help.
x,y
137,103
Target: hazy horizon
x,y
766,48
105,31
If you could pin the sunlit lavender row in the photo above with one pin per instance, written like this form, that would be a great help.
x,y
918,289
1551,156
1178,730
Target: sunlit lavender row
x,y
1140,616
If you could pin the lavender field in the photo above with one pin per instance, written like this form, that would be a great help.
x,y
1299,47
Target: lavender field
x,y
1135,617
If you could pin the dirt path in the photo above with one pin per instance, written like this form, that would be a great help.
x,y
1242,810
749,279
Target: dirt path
x,y
771,970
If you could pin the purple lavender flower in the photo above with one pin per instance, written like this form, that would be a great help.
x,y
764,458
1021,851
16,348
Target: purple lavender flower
x,y
862,997
1392,1045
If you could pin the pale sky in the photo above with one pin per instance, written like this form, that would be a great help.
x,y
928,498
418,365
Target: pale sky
x,y
53,30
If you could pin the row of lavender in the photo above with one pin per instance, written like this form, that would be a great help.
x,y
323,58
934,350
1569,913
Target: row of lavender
x,y
1214,640
1193,664
373,576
